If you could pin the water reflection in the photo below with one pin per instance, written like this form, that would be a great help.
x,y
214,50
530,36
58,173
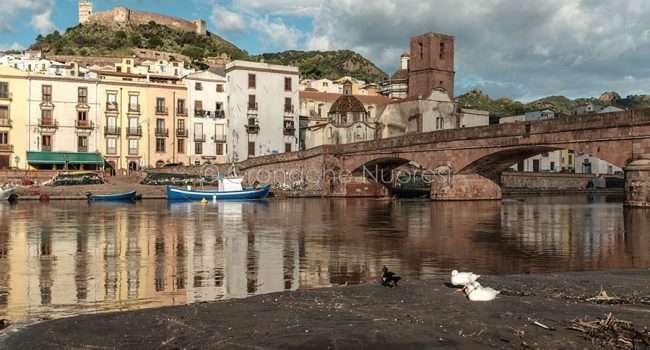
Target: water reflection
x,y
67,258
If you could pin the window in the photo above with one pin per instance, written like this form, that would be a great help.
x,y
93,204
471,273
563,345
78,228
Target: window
x,y
160,145
287,84
287,105
218,106
46,143
180,124
47,93
180,106
82,144
134,106
160,124
219,149
198,148
111,101
111,146
133,147
4,138
421,50
198,86
570,160
251,148
4,115
198,108
440,123
442,50
287,147
251,102
160,105
83,95
251,81
4,89
219,87
46,117
180,147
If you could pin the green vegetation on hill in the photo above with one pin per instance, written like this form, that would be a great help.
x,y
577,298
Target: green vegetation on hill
x,y
504,107
327,64
100,40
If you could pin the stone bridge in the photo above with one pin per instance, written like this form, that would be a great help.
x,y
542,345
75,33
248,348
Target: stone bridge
x,y
473,158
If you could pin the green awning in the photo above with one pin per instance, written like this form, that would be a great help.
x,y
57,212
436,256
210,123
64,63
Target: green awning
x,y
63,158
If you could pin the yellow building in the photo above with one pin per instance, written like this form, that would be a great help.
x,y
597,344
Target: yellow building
x,y
568,160
13,109
167,106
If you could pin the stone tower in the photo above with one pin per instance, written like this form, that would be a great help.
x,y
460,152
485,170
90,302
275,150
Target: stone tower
x,y
85,10
431,64
199,27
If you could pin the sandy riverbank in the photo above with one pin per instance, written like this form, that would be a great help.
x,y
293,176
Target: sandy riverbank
x,y
416,315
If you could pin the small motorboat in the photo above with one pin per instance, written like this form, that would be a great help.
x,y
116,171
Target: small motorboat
x,y
128,196
7,194
229,189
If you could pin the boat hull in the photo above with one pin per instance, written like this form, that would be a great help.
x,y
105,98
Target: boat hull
x,y
178,194
6,195
128,196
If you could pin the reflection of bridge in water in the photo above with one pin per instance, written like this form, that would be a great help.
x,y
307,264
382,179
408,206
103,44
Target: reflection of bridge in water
x,y
477,156
67,258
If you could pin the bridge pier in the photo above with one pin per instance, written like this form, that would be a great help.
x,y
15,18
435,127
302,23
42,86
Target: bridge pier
x,y
465,188
637,184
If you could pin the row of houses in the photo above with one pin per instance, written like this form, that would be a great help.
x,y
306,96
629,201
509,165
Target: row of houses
x,y
126,119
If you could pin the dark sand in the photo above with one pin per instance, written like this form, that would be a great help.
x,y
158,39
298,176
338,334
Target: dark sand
x,y
416,315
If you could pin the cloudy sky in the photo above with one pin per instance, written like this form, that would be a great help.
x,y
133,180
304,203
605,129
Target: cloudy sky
x,y
523,49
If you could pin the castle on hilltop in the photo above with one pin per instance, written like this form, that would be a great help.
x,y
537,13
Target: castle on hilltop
x,y
123,18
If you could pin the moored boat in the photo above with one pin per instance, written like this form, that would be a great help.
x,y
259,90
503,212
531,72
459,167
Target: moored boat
x,y
128,196
229,189
7,194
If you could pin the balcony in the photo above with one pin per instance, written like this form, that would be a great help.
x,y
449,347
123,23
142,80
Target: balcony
x,y
253,129
162,132
199,138
289,131
134,131
199,113
134,108
181,111
288,110
182,133
161,110
220,114
6,148
82,149
111,130
111,106
5,122
252,107
84,124
48,126
219,138
47,148
6,96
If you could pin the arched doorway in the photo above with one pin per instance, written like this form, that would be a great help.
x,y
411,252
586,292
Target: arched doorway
x,y
159,164
133,166
111,166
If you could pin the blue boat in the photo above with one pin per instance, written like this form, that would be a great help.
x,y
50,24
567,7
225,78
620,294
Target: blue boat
x,y
128,196
229,189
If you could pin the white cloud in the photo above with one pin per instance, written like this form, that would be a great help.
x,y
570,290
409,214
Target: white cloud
x,y
40,10
42,22
7,47
273,32
519,48
228,22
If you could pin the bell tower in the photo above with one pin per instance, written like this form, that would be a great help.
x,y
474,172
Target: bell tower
x,y
431,65
85,10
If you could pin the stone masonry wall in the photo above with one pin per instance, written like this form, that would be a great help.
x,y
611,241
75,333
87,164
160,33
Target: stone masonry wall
x,y
545,180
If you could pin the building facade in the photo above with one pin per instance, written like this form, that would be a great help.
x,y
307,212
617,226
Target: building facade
x,y
207,118
262,108
13,108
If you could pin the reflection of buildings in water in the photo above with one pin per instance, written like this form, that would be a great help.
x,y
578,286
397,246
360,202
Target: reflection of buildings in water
x,y
636,237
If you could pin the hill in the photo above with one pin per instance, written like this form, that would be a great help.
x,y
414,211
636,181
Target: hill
x,y
327,64
100,40
504,107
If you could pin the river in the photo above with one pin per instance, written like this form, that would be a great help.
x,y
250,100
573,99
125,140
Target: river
x,y
60,259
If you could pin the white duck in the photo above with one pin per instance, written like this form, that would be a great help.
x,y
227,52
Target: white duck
x,y
463,278
476,292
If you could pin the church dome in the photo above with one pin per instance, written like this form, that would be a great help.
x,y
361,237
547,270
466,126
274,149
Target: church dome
x,y
347,104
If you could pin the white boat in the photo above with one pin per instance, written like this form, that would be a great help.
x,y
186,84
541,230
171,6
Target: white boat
x,y
6,194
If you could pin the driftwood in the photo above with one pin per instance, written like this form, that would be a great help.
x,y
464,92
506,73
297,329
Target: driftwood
x,y
612,332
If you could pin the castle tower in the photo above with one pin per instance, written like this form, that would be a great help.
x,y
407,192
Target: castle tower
x,y
199,27
85,10
431,64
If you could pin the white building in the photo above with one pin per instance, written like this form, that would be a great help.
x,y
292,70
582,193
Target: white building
x,y
588,164
322,85
63,119
262,109
207,127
